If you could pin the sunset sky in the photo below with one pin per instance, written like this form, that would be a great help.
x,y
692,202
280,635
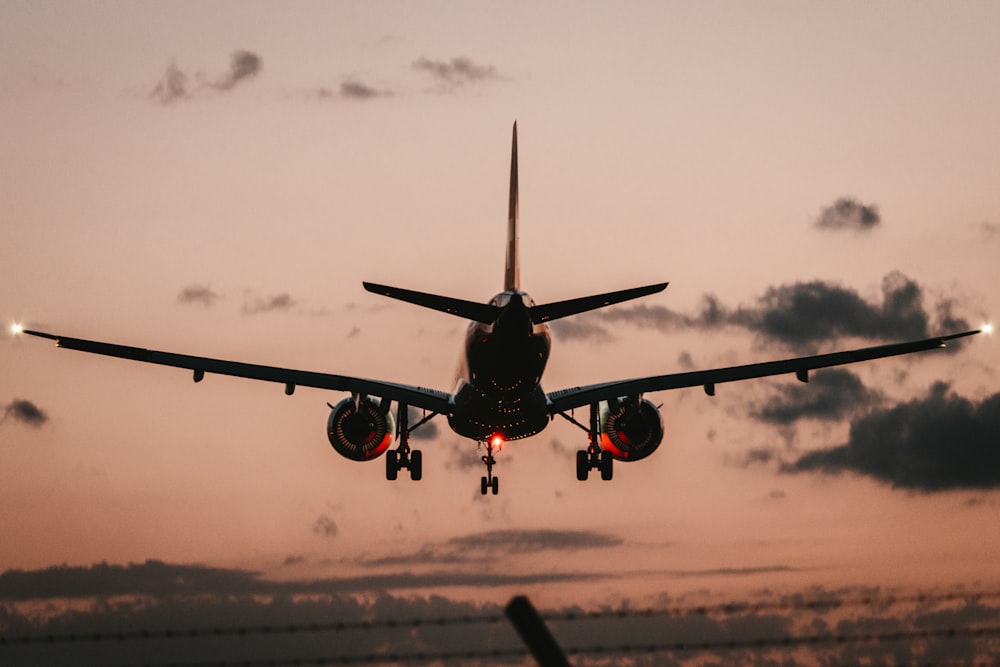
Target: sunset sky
x,y
218,178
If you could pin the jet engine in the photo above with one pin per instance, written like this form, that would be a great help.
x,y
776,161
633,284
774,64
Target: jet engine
x,y
360,430
630,429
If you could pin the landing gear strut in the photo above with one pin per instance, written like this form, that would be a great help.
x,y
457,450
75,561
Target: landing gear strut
x,y
594,457
489,481
403,456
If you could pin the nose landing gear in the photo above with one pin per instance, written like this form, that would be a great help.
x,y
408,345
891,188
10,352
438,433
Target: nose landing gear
x,y
489,482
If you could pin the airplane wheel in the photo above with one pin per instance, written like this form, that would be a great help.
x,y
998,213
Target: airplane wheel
x,y
582,465
416,465
607,466
483,486
391,464
496,485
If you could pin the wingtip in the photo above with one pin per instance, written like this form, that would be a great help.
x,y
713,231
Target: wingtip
x,y
40,334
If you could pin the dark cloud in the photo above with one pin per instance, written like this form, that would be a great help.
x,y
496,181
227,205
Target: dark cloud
x,y
25,412
457,72
832,394
243,65
175,84
199,294
325,526
848,213
805,315
256,305
940,442
581,327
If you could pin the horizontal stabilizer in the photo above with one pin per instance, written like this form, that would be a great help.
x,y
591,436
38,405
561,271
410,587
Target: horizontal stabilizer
x,y
553,311
470,310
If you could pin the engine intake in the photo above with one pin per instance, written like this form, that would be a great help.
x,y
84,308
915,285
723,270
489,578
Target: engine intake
x,y
360,432
631,430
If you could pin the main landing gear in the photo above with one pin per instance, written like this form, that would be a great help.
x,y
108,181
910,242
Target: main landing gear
x,y
592,458
489,481
403,456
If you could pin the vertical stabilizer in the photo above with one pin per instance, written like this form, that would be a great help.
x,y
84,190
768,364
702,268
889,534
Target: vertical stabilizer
x,y
512,270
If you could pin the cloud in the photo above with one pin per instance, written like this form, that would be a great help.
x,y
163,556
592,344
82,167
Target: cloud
x,y
804,315
848,213
831,394
355,90
490,546
25,412
457,72
989,230
198,294
257,305
324,526
175,84
172,86
937,443
242,65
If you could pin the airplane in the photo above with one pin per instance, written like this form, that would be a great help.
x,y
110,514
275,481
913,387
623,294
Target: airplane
x,y
498,396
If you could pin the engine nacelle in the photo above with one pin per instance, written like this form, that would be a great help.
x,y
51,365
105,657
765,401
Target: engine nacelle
x,y
630,429
360,432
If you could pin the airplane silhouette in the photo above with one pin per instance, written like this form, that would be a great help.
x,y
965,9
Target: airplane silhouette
x,y
499,396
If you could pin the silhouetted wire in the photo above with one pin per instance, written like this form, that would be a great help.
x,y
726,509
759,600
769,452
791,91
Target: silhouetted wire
x,y
729,608
613,649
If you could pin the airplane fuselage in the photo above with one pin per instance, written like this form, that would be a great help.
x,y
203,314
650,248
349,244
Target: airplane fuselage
x,y
498,390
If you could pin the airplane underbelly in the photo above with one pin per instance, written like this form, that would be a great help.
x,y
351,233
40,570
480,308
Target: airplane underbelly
x,y
480,416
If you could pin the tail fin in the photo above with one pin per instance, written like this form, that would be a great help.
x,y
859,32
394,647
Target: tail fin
x,y
512,269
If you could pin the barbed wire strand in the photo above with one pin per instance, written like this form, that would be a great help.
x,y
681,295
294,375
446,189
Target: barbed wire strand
x,y
728,608
671,647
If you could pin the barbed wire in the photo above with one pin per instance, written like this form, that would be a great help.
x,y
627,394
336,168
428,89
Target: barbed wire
x,y
728,608
615,649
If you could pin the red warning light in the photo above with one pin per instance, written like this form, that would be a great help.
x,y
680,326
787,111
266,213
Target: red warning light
x,y
496,440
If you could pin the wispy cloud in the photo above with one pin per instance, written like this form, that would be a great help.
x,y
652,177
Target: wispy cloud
x,y
175,85
490,546
936,443
25,412
277,302
325,526
848,214
198,294
457,72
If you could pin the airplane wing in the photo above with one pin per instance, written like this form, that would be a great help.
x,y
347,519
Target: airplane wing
x,y
420,397
566,399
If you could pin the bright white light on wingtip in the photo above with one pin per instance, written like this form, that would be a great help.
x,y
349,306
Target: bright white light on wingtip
x,y
987,329
16,329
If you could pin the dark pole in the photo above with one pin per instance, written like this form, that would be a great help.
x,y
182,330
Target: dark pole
x,y
534,633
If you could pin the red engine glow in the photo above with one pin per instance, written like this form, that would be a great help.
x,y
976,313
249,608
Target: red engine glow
x,y
631,433
360,432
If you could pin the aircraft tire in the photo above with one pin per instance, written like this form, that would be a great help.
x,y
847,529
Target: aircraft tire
x,y
416,465
483,486
582,465
496,485
391,465
607,466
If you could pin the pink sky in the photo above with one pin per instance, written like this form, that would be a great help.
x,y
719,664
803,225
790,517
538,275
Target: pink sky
x,y
692,142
